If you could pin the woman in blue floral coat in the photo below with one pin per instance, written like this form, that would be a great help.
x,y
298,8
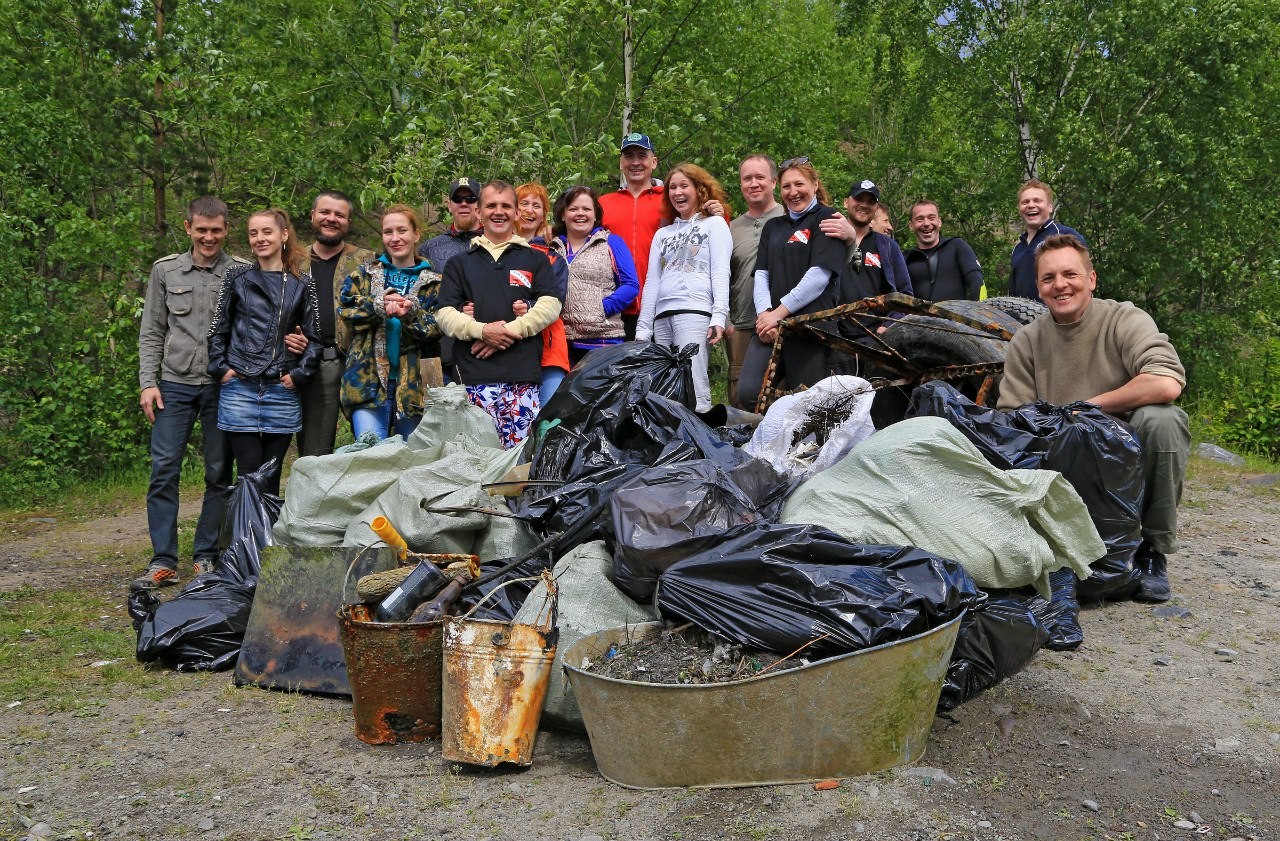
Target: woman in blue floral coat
x,y
389,303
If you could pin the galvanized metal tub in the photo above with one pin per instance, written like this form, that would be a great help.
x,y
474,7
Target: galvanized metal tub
x,y
840,717
394,669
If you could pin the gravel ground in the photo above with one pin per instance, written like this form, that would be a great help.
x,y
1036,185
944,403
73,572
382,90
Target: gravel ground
x,y
1164,725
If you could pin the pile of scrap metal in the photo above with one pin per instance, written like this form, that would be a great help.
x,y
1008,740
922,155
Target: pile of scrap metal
x,y
898,342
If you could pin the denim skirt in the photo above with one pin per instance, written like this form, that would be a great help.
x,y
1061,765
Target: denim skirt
x,y
246,405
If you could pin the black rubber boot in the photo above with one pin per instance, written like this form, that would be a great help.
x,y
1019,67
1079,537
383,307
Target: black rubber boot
x,y
1154,585
1065,633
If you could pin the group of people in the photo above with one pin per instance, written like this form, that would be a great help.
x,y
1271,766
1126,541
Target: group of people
x,y
518,289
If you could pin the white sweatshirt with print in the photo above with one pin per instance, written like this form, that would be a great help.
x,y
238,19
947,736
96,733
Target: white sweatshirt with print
x,y
688,270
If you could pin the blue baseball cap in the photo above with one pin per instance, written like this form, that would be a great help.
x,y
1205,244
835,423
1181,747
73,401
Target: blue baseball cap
x,y
637,139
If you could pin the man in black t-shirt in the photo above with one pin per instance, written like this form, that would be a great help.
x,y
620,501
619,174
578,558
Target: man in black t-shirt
x,y
332,259
941,268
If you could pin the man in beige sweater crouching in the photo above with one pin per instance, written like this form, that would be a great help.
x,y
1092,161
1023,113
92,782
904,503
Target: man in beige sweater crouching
x,y
1111,354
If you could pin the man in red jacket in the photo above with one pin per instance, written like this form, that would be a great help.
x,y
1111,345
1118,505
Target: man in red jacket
x,y
634,212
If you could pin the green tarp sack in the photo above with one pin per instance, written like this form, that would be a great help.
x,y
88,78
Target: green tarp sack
x,y
921,483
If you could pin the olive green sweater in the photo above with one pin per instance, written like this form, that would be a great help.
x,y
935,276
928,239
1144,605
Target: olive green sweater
x,y
1112,343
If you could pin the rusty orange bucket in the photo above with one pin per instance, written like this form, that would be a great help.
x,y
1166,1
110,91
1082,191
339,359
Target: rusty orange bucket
x,y
495,682
394,669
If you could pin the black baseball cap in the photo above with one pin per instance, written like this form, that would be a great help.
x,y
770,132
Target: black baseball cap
x,y
866,185
464,183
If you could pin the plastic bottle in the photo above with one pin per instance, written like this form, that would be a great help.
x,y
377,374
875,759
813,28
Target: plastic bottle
x,y
424,582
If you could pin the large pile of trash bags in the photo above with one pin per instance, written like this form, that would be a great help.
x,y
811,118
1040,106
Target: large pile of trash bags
x,y
804,527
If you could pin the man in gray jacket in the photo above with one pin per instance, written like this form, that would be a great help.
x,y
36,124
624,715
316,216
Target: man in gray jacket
x,y
173,354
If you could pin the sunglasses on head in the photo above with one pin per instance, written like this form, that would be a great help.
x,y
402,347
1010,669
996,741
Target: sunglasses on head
x,y
465,200
790,162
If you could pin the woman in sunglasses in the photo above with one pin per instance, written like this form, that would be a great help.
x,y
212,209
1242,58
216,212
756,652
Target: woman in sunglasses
x,y
797,272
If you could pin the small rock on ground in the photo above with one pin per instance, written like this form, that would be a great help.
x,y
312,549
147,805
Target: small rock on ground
x,y
930,775
1215,453
1091,805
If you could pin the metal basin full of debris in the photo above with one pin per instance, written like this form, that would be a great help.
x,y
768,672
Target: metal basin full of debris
x,y
737,719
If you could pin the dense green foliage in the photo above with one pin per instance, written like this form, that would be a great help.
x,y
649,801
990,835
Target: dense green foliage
x,y
1152,119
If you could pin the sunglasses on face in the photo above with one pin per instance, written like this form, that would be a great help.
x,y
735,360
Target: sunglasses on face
x,y
790,162
465,200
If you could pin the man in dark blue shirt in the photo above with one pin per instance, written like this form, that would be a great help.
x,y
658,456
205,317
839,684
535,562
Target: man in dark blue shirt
x,y
1035,206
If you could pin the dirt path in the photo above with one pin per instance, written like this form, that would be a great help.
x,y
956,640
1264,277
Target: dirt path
x,y
1156,727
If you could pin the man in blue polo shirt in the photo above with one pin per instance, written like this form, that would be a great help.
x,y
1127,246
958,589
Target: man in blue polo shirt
x,y
1035,206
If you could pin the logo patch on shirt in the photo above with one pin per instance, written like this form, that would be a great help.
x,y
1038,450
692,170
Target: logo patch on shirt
x,y
801,236
872,260
519,277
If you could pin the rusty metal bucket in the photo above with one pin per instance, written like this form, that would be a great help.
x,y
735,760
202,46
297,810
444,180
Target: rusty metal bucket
x,y
839,717
394,669
495,682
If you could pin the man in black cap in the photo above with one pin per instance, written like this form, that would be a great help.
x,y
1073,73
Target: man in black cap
x,y
463,198
464,193
874,264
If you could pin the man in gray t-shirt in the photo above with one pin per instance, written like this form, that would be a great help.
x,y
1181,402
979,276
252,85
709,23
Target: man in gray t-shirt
x,y
758,178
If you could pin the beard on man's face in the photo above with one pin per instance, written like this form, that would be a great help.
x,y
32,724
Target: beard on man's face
x,y
328,239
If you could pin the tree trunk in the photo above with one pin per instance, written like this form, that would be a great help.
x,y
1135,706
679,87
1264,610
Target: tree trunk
x,y
628,70
158,131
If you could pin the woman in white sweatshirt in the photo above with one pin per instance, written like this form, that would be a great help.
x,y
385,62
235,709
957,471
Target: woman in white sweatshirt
x,y
686,294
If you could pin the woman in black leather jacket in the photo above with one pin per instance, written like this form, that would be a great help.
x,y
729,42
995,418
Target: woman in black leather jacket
x,y
258,306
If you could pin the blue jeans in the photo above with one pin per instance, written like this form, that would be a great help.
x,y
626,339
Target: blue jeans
x,y
183,405
376,419
551,379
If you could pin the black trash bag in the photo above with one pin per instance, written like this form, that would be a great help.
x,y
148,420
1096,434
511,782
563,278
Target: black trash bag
x,y
591,387
655,430
579,509
503,605
776,587
1102,459
1098,454
202,628
995,641
597,396
738,435
665,514
993,432
251,514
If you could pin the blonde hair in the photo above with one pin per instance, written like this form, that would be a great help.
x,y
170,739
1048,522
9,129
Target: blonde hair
x,y
809,172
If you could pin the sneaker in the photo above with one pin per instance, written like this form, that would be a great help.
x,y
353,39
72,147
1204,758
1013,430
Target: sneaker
x,y
204,566
1154,584
157,575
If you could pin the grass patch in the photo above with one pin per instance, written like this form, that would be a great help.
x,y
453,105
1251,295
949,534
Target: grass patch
x,y
49,641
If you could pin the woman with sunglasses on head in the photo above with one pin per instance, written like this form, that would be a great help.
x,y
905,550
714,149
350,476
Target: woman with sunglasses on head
x,y
797,272
259,304
389,304
686,295
602,273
